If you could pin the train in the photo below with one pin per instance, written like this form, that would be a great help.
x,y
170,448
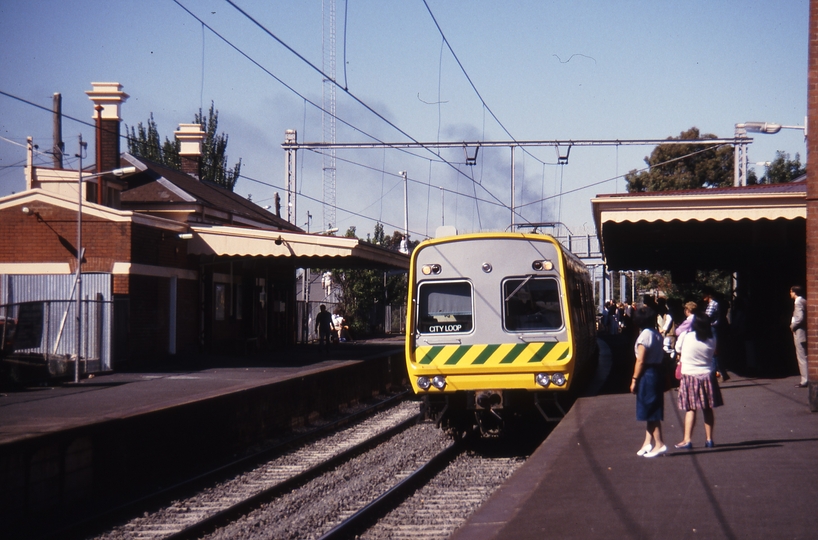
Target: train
x,y
498,324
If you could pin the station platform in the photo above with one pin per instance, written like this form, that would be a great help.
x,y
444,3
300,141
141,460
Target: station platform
x,y
40,410
586,481
69,451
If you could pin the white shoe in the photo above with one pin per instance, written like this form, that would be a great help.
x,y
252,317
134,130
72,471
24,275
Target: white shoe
x,y
658,452
645,449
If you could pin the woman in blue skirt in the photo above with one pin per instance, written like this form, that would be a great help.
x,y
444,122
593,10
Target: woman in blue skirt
x,y
648,382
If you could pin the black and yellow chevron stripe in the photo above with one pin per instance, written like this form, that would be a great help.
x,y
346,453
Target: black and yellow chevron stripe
x,y
492,354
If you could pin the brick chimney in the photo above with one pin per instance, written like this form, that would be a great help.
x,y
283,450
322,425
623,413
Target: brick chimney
x,y
190,137
107,98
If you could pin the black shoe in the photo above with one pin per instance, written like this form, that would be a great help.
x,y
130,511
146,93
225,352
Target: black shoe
x,y
801,385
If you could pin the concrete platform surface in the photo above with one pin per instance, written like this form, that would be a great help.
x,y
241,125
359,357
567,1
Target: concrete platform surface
x,y
586,481
42,410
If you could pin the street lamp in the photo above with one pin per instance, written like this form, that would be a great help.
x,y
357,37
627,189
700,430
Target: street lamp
x,y
740,155
405,205
120,173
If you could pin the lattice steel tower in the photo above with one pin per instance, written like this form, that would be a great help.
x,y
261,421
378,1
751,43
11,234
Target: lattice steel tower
x,y
328,114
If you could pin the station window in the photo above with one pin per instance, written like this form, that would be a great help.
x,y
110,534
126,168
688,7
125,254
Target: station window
x,y
445,308
531,304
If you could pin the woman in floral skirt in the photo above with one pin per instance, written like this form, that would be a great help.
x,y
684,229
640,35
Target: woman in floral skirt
x,y
699,388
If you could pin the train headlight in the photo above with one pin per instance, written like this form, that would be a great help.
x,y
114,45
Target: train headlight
x,y
424,383
430,269
439,382
558,379
542,379
542,265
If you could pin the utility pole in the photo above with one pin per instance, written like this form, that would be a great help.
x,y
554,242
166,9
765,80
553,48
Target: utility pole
x,y
79,264
59,147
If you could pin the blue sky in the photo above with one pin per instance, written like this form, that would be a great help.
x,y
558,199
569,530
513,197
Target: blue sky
x,y
548,70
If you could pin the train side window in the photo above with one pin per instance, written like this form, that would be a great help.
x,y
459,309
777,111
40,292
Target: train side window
x,y
531,304
445,308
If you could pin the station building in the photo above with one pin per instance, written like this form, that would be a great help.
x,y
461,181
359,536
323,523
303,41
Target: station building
x,y
171,265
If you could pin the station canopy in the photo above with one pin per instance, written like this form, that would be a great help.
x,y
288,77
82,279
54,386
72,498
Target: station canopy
x,y
703,229
302,249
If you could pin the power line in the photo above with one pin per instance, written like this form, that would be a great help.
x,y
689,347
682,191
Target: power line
x,y
346,91
468,78
350,212
280,81
383,171
643,169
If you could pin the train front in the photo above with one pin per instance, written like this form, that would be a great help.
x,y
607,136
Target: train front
x,y
489,328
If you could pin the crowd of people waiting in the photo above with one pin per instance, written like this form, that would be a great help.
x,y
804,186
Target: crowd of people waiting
x,y
686,347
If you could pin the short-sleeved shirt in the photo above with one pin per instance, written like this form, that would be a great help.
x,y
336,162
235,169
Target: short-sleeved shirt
x,y
697,356
652,341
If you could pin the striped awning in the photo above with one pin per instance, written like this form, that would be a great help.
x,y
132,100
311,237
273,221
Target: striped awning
x,y
304,250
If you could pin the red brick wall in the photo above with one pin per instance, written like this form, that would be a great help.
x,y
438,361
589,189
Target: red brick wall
x,y
49,234
159,248
109,149
812,206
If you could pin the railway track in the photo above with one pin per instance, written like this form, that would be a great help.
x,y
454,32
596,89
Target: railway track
x,y
292,451
387,477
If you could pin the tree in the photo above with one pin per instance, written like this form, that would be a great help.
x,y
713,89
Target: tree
x,y
214,152
363,291
144,142
684,166
781,170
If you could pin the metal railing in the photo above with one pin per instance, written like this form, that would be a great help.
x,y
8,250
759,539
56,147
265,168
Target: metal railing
x,y
48,330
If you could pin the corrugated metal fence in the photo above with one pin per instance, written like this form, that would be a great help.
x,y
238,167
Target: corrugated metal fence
x,y
51,297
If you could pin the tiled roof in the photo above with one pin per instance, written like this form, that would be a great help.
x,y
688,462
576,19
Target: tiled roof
x,y
158,186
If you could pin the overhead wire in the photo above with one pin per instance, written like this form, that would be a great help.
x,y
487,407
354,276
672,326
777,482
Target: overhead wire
x,y
375,169
350,212
345,90
617,177
468,78
293,90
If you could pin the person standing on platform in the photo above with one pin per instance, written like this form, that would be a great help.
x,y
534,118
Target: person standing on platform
x,y
699,388
712,311
798,325
648,382
324,326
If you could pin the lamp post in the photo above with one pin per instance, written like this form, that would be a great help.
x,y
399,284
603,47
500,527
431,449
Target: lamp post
x,y
405,205
125,171
741,160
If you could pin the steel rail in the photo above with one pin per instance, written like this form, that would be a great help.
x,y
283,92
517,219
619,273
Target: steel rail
x,y
109,517
235,511
392,498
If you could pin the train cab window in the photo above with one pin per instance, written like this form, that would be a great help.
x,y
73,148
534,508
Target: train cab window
x,y
444,308
531,303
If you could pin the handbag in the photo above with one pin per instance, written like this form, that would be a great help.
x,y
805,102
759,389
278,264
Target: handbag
x,y
679,370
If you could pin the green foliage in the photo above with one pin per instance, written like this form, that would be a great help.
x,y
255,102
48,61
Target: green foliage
x,y
363,292
145,142
781,170
718,280
684,166
214,152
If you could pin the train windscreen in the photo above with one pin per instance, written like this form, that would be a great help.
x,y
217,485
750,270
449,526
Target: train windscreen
x,y
445,308
531,303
